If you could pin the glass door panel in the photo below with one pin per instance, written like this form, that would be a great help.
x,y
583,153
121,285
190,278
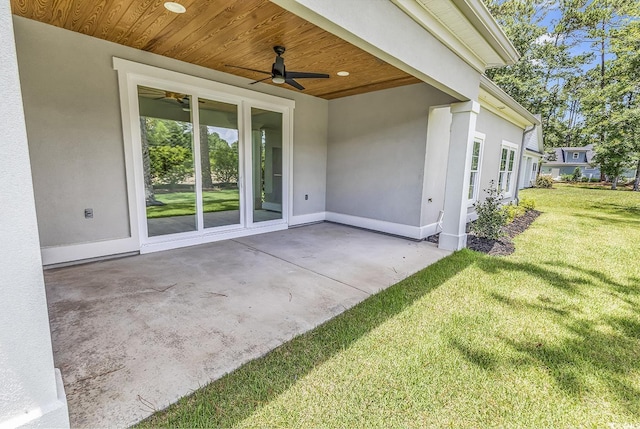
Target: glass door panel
x,y
166,131
266,150
220,163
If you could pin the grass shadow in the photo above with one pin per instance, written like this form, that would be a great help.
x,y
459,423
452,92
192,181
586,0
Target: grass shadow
x,y
633,288
629,220
239,394
560,281
590,355
618,209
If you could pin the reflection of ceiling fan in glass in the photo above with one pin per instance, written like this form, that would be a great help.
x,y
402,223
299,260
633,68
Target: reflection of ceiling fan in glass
x,y
280,75
182,99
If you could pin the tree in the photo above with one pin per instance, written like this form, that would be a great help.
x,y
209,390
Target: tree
x,y
205,160
169,151
169,164
611,96
224,159
549,62
149,193
581,102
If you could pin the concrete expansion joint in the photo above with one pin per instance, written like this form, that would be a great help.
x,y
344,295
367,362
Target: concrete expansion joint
x,y
302,267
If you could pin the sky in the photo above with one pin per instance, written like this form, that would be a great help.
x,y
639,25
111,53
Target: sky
x,y
228,134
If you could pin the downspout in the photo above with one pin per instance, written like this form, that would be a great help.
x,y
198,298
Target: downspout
x,y
522,143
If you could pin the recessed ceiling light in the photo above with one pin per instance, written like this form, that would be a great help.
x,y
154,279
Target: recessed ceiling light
x,y
175,7
343,73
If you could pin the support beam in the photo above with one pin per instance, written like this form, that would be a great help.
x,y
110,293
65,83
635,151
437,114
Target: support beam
x,y
31,392
463,127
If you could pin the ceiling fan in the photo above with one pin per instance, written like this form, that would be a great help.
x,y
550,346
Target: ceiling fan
x,y
182,99
280,75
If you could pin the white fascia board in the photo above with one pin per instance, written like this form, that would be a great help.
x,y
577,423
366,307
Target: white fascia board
x,y
465,27
502,104
441,32
479,15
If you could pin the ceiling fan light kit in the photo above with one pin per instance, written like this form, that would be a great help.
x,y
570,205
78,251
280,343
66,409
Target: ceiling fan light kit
x,y
279,73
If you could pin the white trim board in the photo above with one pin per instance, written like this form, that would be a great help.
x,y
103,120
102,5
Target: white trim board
x,y
78,252
376,225
307,218
212,237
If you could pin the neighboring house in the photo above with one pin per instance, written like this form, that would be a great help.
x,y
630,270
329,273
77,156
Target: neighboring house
x,y
531,157
564,160
414,130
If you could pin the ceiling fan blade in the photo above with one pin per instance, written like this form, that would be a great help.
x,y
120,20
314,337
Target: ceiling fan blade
x,y
261,80
305,75
294,84
247,68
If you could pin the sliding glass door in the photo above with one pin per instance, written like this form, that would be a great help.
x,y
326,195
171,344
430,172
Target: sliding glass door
x,y
220,163
203,171
266,151
166,131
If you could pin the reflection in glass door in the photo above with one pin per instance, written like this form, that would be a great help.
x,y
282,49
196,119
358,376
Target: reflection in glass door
x,y
166,131
201,164
220,163
266,148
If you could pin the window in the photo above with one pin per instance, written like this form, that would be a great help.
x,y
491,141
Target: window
x,y
576,155
476,162
534,168
507,167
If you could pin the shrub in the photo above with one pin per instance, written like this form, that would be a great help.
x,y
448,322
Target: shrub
x,y
513,211
594,179
544,181
584,179
566,177
577,174
491,216
527,204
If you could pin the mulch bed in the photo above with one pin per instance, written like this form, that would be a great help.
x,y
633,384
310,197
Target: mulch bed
x,y
503,246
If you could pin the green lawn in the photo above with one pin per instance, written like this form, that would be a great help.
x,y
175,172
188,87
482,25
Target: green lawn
x,y
546,337
184,203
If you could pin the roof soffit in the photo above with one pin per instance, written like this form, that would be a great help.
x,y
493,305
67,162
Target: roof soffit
x,y
494,99
466,27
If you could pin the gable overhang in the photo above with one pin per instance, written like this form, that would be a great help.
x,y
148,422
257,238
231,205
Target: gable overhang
x,y
409,41
467,28
495,100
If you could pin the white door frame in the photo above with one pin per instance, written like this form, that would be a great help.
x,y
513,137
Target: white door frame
x,y
132,74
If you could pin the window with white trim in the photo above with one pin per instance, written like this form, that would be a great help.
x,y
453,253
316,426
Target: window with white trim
x,y
476,163
507,168
576,155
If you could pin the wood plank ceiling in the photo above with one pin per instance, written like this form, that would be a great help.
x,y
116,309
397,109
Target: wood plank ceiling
x,y
213,33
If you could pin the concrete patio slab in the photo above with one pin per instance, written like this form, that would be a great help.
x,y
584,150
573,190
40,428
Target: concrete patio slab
x,y
133,335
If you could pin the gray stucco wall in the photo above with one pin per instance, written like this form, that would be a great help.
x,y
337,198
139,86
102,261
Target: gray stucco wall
x,y
73,120
376,153
438,135
496,130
